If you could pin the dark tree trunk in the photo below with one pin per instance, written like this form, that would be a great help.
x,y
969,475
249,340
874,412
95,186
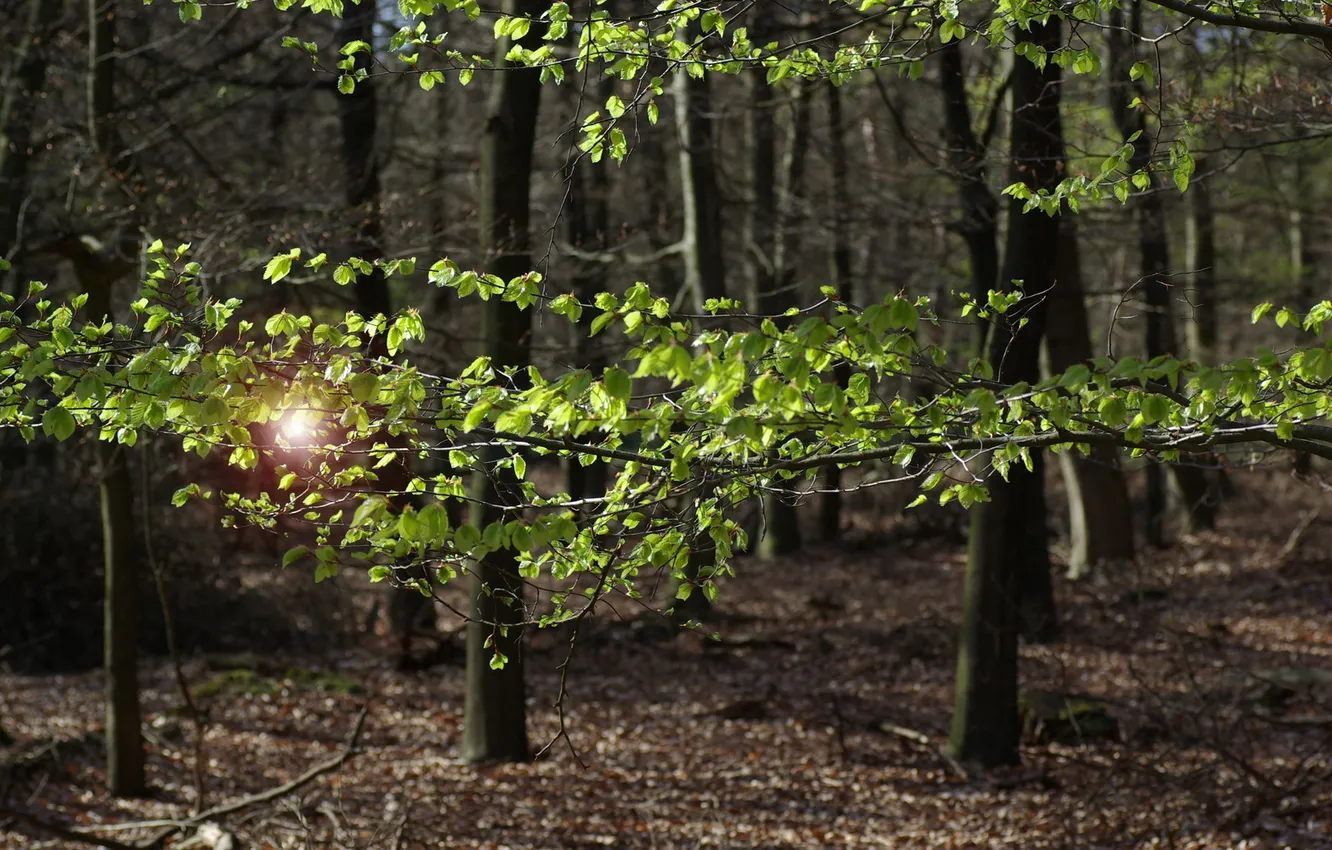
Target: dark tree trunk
x,y
1200,263
770,238
18,106
704,264
587,222
978,226
1100,512
1199,499
830,503
358,116
97,274
1008,570
495,713
978,223
1301,279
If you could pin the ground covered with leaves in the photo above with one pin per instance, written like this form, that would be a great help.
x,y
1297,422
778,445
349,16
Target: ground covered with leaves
x,y
1198,681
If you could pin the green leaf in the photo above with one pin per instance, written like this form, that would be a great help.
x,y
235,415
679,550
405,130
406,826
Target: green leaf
x,y
297,554
364,387
618,383
58,422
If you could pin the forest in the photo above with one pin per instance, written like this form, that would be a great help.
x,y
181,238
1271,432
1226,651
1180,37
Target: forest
x,y
694,423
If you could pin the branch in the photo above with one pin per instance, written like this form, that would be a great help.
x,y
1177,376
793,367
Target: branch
x,y
1284,27
617,255
64,833
286,788
177,826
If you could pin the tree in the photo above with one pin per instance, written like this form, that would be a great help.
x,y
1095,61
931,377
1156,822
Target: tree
x,y
770,237
18,105
1008,568
839,261
358,120
98,267
1100,512
495,714
1199,500
704,407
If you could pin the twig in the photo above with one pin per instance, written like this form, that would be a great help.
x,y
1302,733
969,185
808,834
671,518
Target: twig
x,y
1296,533
925,741
63,832
174,827
288,787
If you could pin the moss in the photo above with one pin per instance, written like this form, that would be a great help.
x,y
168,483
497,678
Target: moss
x,y
332,683
245,682
1049,717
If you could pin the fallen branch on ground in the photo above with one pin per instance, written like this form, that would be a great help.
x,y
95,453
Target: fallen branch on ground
x,y
174,827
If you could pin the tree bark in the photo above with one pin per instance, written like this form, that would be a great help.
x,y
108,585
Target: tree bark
x,y
1199,499
704,257
495,710
1100,511
704,261
978,223
1301,264
1200,263
358,119
587,224
770,246
18,107
830,502
97,273
1008,575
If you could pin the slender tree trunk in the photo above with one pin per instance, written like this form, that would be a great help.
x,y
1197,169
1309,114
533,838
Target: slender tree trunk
x,y
1301,264
978,226
704,263
768,236
495,711
587,222
97,274
1099,508
978,223
830,503
358,116
1008,562
1199,499
18,106
1200,263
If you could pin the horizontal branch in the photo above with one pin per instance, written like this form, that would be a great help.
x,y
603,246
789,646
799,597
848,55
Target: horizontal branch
x,y
1283,26
619,255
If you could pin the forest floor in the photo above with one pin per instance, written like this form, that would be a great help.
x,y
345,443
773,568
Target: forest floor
x,y
775,737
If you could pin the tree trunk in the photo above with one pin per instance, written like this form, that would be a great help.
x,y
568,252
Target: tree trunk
x,y
769,248
704,257
1100,513
830,502
358,116
587,224
978,223
18,106
1200,263
1301,264
97,273
1007,581
978,226
495,710
1198,498
704,264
